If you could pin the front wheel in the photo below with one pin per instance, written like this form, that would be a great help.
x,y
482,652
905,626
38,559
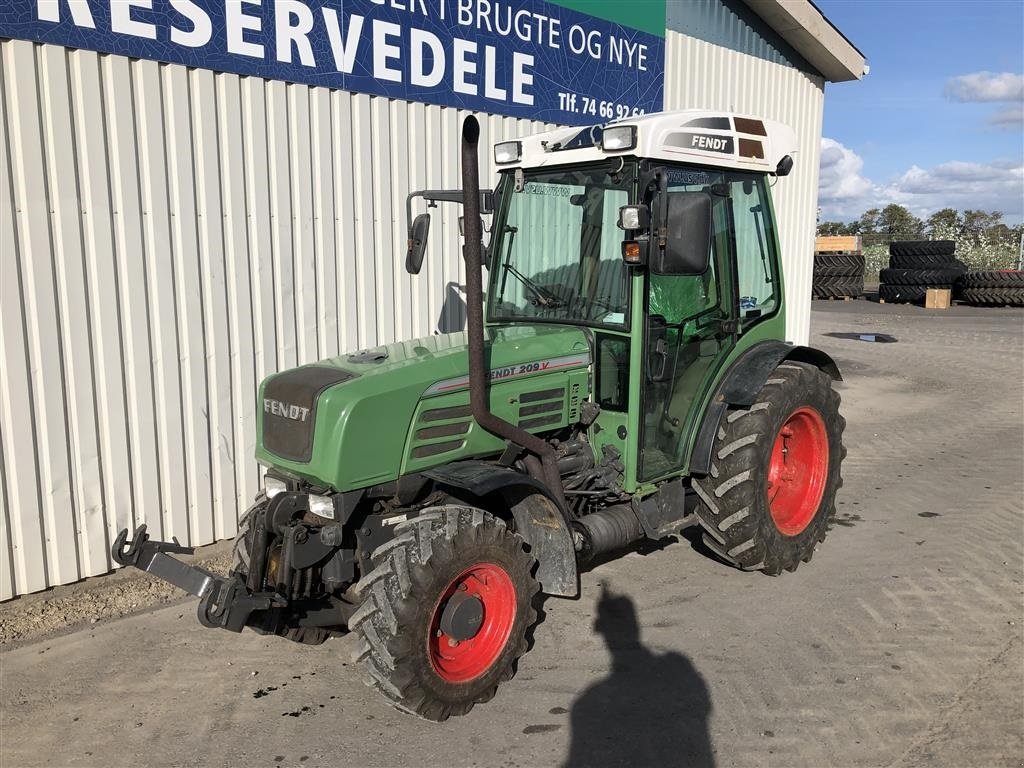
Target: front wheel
x,y
775,470
445,611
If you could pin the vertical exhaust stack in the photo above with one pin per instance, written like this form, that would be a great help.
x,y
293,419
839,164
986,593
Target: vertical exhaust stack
x,y
546,470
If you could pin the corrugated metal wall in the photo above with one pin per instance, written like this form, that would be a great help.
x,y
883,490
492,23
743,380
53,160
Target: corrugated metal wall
x,y
706,76
170,236
167,238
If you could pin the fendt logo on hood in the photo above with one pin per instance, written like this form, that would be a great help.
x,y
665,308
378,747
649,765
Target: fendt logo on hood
x,y
285,410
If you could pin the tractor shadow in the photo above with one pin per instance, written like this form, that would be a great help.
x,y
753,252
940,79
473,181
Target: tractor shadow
x,y
651,710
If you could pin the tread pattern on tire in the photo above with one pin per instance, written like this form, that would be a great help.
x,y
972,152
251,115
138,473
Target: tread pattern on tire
x,y
903,293
926,262
392,591
733,505
1013,297
837,287
924,277
922,248
1010,278
835,264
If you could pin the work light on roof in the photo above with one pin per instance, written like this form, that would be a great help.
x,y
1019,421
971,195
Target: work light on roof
x,y
508,152
618,138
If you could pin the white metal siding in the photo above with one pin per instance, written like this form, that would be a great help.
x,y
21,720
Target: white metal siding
x,y
170,236
706,76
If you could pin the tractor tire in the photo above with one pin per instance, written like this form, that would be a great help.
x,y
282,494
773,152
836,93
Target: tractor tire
x,y
240,553
837,287
999,279
927,277
905,294
922,248
419,598
833,264
926,262
775,470
999,297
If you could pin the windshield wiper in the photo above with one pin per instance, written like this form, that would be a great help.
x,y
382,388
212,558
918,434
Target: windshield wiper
x,y
543,297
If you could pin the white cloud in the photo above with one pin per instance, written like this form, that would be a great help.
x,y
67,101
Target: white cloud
x,y
986,86
843,193
1008,118
840,169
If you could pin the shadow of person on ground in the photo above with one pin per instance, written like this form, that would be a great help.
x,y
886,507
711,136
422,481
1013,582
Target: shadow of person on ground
x,y
652,710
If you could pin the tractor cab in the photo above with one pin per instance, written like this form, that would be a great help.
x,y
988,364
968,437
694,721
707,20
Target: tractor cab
x,y
658,236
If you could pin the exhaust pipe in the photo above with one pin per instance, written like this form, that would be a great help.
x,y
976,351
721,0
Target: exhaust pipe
x,y
547,472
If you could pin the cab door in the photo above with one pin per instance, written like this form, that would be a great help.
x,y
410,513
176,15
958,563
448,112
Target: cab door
x,y
692,322
690,326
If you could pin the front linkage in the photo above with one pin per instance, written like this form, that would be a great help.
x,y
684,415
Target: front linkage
x,y
224,601
276,587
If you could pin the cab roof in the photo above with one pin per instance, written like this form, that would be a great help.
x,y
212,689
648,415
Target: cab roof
x,y
699,136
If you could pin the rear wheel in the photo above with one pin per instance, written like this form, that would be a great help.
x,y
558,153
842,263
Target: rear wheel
x,y
775,470
445,611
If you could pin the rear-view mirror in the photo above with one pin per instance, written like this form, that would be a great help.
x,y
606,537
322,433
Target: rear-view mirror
x,y
687,224
417,243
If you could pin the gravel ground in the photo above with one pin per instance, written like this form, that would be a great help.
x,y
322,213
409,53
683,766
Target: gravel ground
x,y
899,645
106,597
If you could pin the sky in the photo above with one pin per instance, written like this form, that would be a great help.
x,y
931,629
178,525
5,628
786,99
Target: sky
x,y
939,120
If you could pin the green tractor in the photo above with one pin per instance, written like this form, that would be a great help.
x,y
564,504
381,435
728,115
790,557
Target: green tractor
x,y
626,378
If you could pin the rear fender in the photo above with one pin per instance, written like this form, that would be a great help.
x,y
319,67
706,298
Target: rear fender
x,y
537,517
741,384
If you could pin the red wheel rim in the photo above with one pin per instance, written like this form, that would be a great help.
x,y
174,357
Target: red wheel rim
x,y
461,661
798,471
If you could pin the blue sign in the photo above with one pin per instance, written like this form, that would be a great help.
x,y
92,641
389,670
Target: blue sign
x,y
535,60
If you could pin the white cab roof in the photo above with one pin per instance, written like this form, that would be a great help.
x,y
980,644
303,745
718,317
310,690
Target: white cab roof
x,y
698,136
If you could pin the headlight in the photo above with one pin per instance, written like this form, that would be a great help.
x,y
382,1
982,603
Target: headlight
x,y
634,217
618,137
322,506
508,152
273,486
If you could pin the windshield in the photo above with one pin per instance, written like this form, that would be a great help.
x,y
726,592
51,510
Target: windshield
x,y
556,255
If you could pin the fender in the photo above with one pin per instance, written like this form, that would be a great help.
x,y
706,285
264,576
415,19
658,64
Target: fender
x,y
741,383
538,518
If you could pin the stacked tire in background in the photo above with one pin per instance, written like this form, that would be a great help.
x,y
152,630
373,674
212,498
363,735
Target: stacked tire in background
x,y
917,265
993,288
838,275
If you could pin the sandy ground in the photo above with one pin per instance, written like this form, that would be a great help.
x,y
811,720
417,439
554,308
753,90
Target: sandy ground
x,y
899,645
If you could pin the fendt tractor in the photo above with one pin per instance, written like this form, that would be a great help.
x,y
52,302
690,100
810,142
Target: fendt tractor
x,y
626,377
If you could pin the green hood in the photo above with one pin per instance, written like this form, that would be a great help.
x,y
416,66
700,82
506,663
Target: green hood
x,y
367,411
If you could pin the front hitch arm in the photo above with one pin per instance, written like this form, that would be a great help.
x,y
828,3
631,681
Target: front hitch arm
x,y
224,601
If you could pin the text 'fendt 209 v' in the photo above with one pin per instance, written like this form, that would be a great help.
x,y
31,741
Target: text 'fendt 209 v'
x,y
626,377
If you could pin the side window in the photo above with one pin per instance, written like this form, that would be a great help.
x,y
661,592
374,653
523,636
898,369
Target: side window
x,y
678,298
755,247
613,372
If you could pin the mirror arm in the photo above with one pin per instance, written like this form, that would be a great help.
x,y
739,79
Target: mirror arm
x,y
434,196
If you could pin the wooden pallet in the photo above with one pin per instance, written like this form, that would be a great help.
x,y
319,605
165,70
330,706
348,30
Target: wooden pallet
x,y
837,244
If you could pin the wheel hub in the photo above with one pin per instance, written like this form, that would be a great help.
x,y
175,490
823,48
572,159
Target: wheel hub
x,y
798,471
472,622
463,616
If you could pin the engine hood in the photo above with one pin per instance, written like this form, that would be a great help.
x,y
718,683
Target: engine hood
x,y
345,422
